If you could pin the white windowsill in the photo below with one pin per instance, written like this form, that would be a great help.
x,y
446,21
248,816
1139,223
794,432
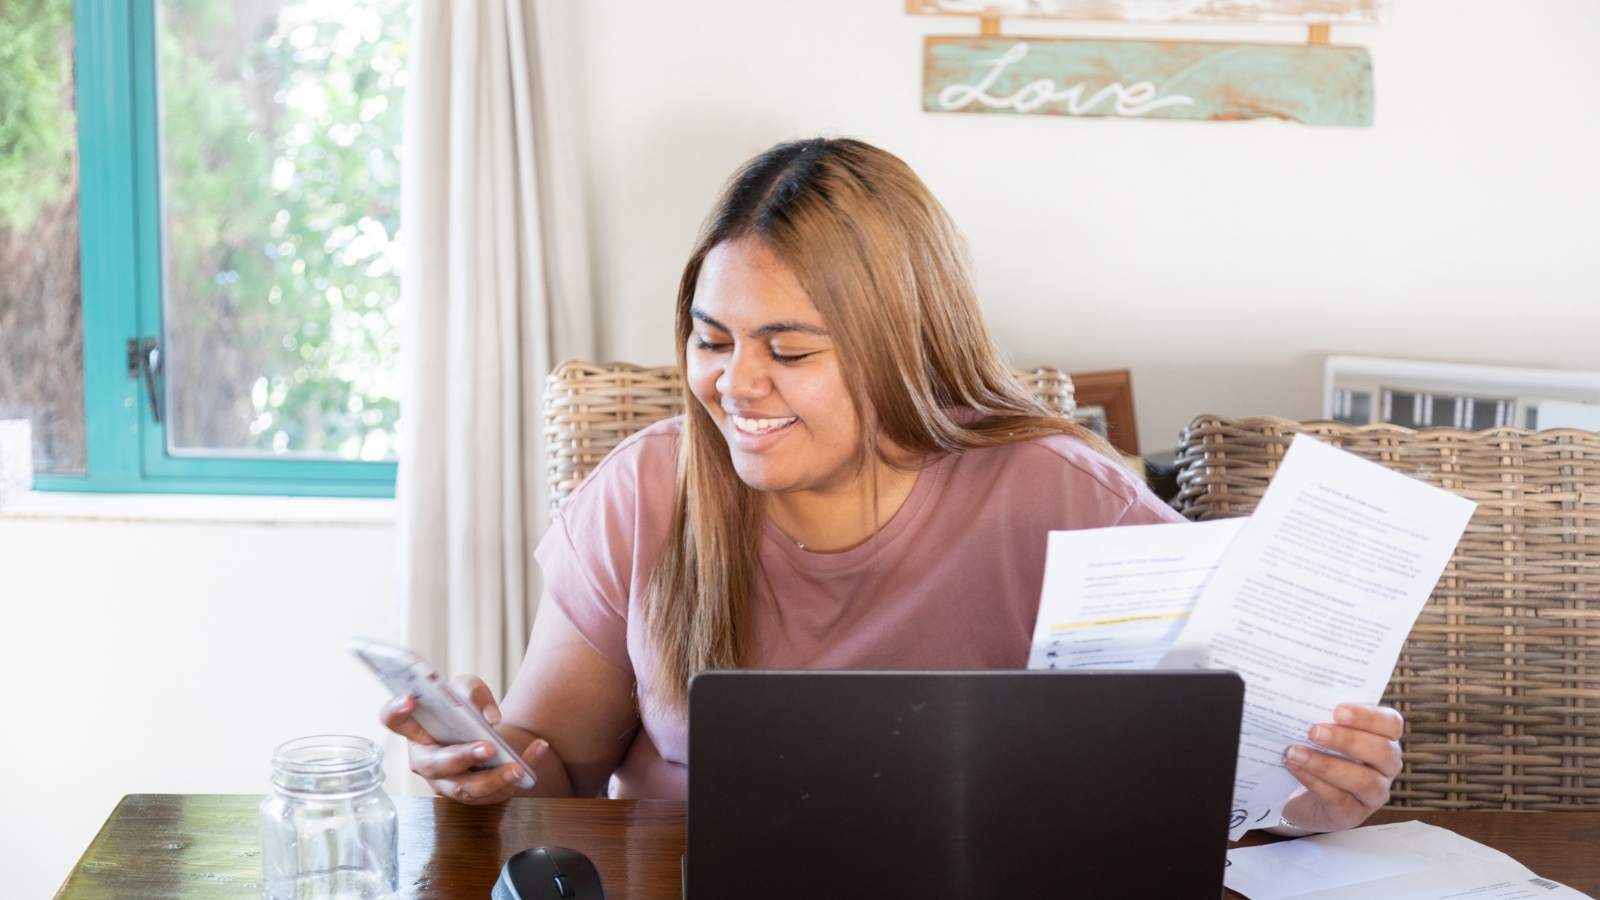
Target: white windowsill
x,y
202,508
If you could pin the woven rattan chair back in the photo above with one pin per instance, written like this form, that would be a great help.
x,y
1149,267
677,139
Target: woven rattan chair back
x,y
589,409
1500,679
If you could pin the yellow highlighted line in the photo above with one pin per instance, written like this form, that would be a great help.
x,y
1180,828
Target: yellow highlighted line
x,y
1100,623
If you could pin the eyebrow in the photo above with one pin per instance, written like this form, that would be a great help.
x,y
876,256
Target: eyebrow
x,y
767,330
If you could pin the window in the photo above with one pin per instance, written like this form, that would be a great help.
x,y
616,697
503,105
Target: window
x,y
41,329
1359,390
240,245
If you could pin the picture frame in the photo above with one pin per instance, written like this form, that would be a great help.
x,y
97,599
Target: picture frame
x,y
1105,403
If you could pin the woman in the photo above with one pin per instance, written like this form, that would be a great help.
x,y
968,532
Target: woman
x,y
858,483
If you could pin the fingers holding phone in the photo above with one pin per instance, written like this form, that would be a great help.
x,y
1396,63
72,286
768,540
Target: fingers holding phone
x,y
452,770
395,714
447,726
473,692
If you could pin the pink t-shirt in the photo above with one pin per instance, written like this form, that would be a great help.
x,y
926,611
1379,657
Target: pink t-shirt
x,y
951,582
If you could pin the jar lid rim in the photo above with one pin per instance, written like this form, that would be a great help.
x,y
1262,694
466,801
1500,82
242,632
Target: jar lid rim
x,y
326,754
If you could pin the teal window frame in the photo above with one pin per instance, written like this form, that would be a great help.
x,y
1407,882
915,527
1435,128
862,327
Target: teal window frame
x,y
120,227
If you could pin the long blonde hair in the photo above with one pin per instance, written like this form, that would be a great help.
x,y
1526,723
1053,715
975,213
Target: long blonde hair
x,y
889,274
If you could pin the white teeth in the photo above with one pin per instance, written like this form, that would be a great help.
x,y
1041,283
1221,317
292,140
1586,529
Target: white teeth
x,y
760,426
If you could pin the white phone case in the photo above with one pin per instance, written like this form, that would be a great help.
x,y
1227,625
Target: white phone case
x,y
439,711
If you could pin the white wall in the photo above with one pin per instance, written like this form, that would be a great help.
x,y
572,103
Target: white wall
x,y
1219,261
170,657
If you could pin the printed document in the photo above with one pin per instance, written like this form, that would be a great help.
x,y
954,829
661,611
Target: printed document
x,y
1402,861
1116,598
1313,601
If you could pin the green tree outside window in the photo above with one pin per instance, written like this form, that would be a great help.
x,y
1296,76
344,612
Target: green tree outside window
x,y
281,187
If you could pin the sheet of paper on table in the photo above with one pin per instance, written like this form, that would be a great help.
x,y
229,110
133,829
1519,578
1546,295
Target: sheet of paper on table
x,y
1402,861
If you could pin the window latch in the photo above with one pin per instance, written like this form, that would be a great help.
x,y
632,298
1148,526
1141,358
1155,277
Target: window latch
x,y
144,358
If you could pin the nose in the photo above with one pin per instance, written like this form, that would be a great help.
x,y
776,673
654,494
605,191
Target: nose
x,y
745,376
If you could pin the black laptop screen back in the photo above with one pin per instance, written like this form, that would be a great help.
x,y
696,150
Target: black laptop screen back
x,y
934,785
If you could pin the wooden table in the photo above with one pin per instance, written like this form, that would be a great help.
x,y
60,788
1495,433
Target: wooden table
x,y
208,846
186,846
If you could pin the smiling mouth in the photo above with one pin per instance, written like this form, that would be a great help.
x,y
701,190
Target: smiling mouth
x,y
761,426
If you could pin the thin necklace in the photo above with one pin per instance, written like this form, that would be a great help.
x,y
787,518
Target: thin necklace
x,y
785,533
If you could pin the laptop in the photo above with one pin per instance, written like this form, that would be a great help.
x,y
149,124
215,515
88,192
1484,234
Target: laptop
x,y
1010,784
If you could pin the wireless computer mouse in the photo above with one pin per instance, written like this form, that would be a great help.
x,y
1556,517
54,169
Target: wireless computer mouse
x,y
549,873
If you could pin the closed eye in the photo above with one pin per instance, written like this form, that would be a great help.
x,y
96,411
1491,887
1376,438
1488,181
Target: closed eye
x,y
701,343
779,357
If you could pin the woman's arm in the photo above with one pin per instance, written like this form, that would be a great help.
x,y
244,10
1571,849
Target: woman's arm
x,y
576,700
570,712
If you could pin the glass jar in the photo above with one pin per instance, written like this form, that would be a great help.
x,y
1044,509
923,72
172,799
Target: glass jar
x,y
327,829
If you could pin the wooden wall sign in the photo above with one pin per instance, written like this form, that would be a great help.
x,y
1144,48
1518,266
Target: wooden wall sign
x,y
1302,12
1312,84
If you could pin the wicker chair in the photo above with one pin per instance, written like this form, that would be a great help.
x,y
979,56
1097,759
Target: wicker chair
x,y
1500,679
589,409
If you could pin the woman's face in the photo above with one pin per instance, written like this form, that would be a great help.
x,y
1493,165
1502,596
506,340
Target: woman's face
x,y
762,364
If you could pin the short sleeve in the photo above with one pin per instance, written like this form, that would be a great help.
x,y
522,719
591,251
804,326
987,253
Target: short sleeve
x,y
599,552
586,590
1148,509
1105,492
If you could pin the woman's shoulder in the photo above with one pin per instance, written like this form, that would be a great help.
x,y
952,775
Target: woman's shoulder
x,y
643,464
614,522
607,535
1052,465
1074,458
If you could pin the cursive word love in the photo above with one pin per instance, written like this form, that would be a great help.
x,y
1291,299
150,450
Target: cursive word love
x,y
1136,99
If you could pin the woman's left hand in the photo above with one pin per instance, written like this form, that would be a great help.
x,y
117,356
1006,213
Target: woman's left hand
x,y
1342,793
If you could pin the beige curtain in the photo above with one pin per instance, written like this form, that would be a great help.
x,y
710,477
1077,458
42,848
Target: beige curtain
x,y
496,289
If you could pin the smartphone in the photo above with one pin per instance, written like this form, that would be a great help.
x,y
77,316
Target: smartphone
x,y
443,715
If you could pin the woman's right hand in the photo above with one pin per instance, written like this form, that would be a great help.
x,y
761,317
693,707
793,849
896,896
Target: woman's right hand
x,y
448,769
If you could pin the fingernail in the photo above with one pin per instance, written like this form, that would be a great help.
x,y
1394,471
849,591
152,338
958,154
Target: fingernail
x,y
483,751
491,715
513,773
1321,734
1343,715
1296,755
